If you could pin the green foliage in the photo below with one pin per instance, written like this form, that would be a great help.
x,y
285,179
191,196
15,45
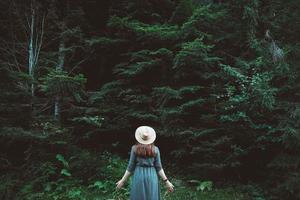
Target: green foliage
x,y
205,185
203,22
143,31
202,185
14,98
62,159
183,10
104,188
144,62
90,120
65,170
201,72
197,51
59,83
103,41
42,179
188,189
222,102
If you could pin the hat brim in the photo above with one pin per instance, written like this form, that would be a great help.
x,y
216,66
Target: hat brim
x,y
151,139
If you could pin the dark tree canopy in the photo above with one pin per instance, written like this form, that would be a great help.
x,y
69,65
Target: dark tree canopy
x,y
218,80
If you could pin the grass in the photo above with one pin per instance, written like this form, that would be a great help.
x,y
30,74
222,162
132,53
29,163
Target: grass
x,y
183,191
190,193
100,185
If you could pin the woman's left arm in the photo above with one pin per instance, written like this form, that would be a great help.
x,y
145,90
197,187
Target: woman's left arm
x,y
161,172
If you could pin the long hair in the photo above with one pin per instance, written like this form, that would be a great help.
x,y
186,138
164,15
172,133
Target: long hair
x,y
145,150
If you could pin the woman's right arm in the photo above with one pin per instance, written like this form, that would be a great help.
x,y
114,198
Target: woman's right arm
x,y
169,185
121,182
130,168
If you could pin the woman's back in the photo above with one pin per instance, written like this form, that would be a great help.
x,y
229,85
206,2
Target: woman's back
x,y
143,161
145,180
145,165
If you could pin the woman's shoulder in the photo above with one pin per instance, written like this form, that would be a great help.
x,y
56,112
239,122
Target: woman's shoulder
x,y
133,147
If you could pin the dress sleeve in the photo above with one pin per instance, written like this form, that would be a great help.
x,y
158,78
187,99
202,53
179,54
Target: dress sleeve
x,y
157,160
132,161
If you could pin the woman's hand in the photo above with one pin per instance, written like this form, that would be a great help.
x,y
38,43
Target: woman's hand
x,y
119,184
170,186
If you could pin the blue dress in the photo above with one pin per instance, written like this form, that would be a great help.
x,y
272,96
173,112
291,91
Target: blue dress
x,y
144,184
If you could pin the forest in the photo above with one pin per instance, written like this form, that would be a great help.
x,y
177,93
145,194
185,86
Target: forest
x,y
218,80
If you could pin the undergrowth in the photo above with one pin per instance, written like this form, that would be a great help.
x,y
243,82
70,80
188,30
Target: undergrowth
x,y
88,176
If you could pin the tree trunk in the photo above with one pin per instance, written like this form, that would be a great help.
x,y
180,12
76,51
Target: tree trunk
x,y
60,66
34,45
31,51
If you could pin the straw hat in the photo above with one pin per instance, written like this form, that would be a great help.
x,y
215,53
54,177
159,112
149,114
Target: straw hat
x,y
145,134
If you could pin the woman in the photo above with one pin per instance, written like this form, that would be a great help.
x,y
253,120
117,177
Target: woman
x,y
145,164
